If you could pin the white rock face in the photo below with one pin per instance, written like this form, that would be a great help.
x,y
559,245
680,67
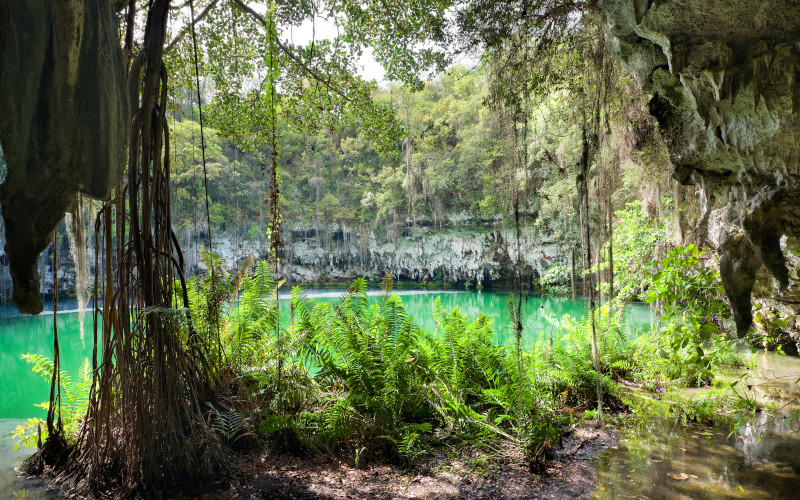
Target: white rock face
x,y
477,252
463,250
723,83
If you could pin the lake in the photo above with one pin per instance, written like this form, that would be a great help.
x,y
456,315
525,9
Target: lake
x,y
658,460
21,389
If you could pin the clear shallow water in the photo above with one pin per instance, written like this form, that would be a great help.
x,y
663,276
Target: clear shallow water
x,y
11,484
759,461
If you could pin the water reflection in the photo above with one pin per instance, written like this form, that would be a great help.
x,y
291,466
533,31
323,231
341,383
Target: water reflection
x,y
760,460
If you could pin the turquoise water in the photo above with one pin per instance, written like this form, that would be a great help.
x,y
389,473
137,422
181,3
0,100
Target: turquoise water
x,y
659,461
542,315
21,389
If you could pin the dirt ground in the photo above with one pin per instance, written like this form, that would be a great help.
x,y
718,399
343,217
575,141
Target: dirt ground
x,y
468,474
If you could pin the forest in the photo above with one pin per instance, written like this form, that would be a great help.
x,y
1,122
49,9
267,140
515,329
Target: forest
x,y
551,254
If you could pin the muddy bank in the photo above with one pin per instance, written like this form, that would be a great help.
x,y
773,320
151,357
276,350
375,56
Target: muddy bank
x,y
470,473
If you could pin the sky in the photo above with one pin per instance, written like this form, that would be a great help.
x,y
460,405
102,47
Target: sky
x,y
322,29
368,68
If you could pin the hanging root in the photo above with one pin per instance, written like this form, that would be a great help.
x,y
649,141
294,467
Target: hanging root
x,y
145,430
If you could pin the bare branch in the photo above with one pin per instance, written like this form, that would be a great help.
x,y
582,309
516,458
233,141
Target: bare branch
x,y
179,7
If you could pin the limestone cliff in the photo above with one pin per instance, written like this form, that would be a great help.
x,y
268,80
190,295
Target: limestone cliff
x,y
724,81
466,250
478,251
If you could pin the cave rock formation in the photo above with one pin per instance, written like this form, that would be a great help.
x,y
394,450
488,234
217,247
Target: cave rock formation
x,y
63,121
724,81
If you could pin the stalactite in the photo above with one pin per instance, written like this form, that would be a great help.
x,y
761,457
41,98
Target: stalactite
x,y
76,235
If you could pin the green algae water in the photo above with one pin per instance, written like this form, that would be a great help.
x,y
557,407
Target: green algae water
x,y
21,390
657,462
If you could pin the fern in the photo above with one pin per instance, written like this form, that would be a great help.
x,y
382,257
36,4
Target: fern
x,y
72,407
228,424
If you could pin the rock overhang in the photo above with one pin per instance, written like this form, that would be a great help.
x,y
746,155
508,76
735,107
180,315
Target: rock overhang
x,y
63,122
724,81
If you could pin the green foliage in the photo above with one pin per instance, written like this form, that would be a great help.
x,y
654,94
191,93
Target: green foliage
x,y
709,407
210,296
229,424
637,238
364,376
385,379
373,352
693,298
250,326
667,356
565,361
72,406
555,279
360,375
456,166
770,328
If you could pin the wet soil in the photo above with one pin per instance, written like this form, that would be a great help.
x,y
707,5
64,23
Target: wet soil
x,y
468,473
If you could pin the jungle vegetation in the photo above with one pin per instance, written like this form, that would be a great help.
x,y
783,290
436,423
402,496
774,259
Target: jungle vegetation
x,y
235,129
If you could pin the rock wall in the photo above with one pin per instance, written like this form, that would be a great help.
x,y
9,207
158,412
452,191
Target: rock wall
x,y
773,302
460,251
482,252
63,122
724,81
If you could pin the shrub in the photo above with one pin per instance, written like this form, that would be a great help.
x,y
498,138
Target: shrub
x,y
693,298
72,407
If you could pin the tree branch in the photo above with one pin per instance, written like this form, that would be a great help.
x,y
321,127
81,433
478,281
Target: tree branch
x,y
291,55
188,27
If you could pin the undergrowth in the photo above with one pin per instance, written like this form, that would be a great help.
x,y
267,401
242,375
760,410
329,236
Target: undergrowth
x,y
360,378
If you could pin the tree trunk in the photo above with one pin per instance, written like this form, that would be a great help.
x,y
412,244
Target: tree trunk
x,y
572,274
145,429
676,194
610,253
584,188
